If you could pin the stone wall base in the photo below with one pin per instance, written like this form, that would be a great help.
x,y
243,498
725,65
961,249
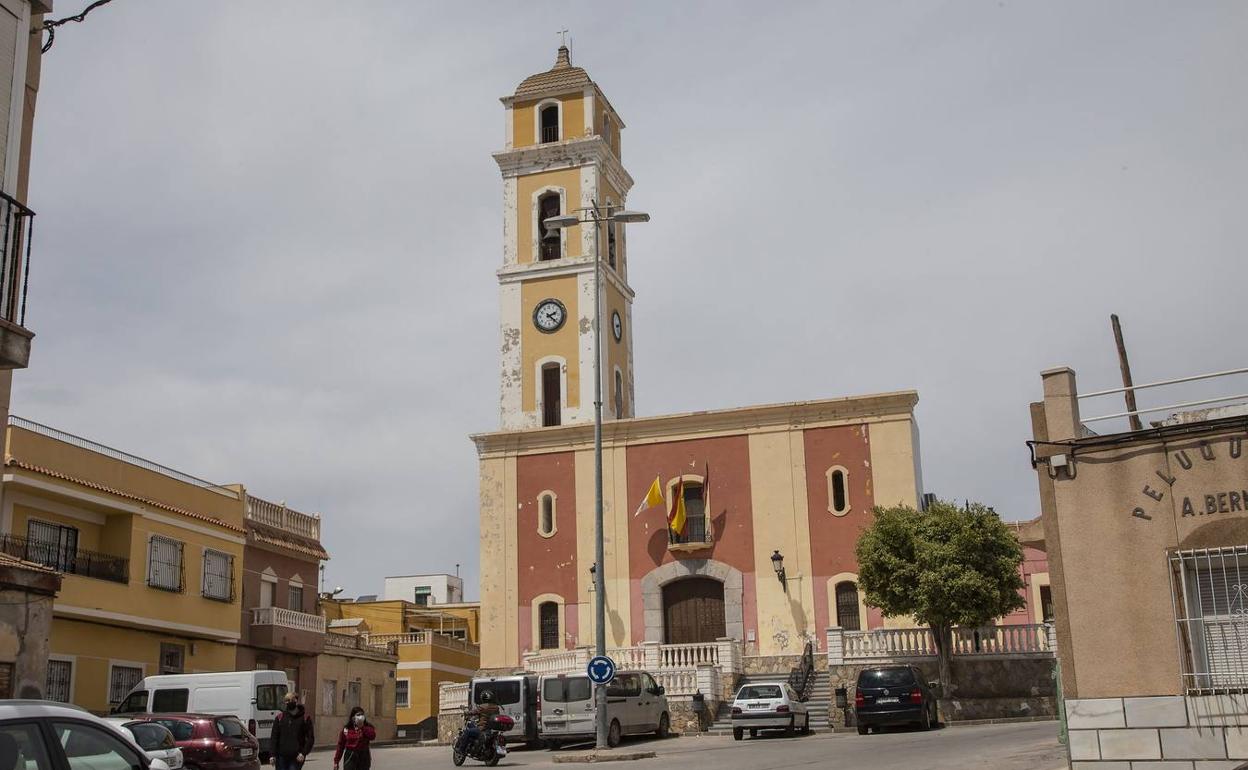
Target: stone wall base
x,y
686,720
1138,733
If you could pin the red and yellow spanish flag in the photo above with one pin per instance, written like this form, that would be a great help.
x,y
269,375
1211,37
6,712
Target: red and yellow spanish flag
x,y
654,496
676,519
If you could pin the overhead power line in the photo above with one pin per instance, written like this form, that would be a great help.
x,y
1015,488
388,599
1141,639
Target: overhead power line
x,y
50,26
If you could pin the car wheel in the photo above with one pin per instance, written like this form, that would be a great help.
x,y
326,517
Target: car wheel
x,y
791,730
753,733
737,733
665,726
863,729
613,734
926,723
806,725
935,716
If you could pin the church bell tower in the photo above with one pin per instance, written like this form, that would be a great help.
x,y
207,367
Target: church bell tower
x,y
562,156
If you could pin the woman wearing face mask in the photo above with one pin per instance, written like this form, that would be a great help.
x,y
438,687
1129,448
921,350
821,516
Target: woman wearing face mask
x,y
353,742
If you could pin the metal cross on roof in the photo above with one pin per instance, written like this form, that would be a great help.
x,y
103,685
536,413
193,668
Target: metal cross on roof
x,y
563,36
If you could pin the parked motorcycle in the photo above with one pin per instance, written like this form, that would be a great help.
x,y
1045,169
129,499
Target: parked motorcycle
x,y
489,746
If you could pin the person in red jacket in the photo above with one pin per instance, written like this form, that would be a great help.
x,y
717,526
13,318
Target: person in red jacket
x,y
353,741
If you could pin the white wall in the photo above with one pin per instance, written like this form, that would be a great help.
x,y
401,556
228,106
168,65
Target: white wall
x,y
444,589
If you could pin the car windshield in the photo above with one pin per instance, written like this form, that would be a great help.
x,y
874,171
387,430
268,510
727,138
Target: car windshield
x,y
565,689
760,692
151,736
505,693
885,677
181,729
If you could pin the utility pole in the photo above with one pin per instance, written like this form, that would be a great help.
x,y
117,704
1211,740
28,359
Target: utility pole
x,y
1125,366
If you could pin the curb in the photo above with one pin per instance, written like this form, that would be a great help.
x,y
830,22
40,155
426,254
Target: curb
x,y
595,756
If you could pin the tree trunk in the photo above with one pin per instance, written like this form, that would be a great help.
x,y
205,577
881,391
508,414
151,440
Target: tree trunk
x,y
942,636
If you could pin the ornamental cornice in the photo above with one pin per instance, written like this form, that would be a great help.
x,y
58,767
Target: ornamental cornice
x,y
570,153
876,408
560,267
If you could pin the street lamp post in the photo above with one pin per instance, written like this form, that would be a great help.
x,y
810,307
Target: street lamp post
x,y
596,215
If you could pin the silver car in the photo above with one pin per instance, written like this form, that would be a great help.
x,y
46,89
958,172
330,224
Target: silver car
x,y
636,705
768,706
42,735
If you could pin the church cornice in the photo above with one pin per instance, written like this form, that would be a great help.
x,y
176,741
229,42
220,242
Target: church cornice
x,y
571,153
876,408
560,267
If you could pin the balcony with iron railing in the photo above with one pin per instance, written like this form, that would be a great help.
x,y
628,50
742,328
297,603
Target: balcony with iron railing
x,y
277,515
71,561
16,231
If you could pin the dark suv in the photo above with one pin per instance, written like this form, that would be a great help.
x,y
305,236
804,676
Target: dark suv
x,y
210,742
892,695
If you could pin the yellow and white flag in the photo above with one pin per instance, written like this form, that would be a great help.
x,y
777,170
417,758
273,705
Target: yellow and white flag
x,y
654,496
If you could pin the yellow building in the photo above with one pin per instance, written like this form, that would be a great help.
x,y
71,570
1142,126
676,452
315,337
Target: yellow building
x,y
151,559
435,644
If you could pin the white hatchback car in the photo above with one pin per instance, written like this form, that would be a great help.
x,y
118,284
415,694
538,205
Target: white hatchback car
x,y
153,738
768,706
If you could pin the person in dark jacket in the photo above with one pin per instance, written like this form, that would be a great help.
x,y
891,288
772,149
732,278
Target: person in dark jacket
x,y
353,742
292,735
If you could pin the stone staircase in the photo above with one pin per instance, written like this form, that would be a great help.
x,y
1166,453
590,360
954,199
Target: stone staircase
x,y
819,703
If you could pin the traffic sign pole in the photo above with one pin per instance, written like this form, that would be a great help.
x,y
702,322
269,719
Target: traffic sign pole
x,y
601,670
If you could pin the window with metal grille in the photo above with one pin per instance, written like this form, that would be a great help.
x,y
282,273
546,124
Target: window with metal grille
x,y
1210,593
218,576
402,698
548,621
121,680
52,545
172,661
847,615
549,206
60,674
164,564
295,598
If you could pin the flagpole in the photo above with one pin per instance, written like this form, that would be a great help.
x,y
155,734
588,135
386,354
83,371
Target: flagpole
x,y
600,583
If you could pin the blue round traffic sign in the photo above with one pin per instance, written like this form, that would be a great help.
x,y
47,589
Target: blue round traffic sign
x,y
601,669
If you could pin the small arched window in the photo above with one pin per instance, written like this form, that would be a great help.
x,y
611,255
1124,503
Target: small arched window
x,y
546,514
549,206
550,123
619,394
552,394
548,621
838,491
847,614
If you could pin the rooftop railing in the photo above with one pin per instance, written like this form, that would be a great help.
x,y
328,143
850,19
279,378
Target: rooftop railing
x,y
279,516
1176,407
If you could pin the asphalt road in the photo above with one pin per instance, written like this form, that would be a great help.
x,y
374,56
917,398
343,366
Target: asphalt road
x,y
1029,746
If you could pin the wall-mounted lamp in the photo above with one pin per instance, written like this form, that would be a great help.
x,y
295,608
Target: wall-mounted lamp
x,y
777,563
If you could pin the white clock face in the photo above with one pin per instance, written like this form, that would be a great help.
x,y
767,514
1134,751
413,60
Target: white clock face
x,y
549,315
617,327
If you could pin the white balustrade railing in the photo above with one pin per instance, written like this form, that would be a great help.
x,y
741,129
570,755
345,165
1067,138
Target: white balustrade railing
x,y
688,655
279,516
415,637
628,657
1001,640
678,682
888,642
280,616
452,697
563,662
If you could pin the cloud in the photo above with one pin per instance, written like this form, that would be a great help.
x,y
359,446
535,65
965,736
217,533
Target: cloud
x,y
267,236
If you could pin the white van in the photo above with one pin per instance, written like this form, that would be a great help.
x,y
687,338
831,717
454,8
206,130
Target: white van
x,y
254,697
635,704
515,696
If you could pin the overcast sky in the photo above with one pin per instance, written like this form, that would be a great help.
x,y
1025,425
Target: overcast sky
x,y
267,233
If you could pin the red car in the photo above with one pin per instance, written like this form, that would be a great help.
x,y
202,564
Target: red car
x,y
210,742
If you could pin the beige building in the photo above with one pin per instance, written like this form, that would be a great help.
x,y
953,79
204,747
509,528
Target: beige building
x,y
1147,537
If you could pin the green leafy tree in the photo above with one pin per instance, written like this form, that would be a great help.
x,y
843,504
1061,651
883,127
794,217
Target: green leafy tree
x,y
946,566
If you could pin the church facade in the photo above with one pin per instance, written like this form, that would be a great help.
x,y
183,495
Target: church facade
x,y
796,481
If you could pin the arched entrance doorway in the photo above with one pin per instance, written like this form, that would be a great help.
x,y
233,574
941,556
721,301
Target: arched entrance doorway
x,y
693,611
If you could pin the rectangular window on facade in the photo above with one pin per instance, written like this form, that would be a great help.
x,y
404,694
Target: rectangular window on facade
x,y
548,621
329,696
422,595
172,659
402,693
52,545
353,695
295,598
1211,609
1046,604
552,391
218,576
164,564
695,516
60,678
121,680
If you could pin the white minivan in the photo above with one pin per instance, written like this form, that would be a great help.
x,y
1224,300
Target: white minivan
x,y
255,697
636,704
